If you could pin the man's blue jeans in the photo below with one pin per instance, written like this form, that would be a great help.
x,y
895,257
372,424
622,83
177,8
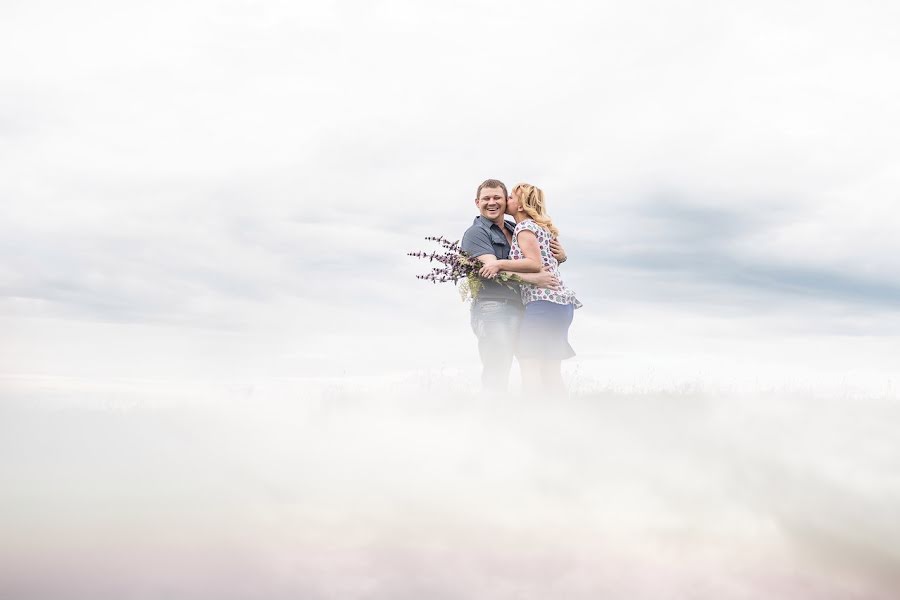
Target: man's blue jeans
x,y
496,325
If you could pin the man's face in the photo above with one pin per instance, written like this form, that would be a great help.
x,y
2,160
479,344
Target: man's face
x,y
491,203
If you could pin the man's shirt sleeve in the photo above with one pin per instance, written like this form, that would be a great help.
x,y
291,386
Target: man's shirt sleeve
x,y
476,241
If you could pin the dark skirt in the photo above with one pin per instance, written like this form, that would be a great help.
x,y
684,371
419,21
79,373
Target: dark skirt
x,y
544,333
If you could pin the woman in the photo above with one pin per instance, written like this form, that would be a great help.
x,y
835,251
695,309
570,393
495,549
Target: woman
x,y
543,336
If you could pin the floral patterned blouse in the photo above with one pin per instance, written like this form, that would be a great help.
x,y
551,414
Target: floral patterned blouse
x,y
531,293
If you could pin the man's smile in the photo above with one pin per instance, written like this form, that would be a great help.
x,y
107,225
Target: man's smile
x,y
491,202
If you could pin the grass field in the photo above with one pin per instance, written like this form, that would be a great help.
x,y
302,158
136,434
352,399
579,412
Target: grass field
x,y
423,489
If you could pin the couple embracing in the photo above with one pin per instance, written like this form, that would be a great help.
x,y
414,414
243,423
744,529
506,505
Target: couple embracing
x,y
532,322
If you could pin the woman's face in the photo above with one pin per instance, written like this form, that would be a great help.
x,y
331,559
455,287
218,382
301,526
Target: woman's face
x,y
512,203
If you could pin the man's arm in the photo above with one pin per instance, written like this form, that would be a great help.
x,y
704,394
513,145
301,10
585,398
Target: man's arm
x,y
542,279
487,258
476,242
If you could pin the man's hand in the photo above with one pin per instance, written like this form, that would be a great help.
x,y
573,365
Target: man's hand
x,y
490,270
557,250
546,279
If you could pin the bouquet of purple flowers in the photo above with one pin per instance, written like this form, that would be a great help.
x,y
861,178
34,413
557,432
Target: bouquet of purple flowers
x,y
456,265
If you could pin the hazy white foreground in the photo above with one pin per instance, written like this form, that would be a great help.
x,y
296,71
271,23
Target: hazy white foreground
x,y
424,490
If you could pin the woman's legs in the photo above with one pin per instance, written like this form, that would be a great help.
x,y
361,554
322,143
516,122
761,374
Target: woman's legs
x,y
544,332
542,377
532,377
551,375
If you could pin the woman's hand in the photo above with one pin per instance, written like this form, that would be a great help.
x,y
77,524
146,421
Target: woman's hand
x,y
490,270
557,250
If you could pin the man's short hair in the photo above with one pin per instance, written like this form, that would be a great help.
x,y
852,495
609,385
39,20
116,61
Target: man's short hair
x,y
491,183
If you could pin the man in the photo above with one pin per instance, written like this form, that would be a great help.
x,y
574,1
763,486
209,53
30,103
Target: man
x,y
498,310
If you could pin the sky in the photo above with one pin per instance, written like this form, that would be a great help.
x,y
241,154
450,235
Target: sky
x,y
192,189
219,374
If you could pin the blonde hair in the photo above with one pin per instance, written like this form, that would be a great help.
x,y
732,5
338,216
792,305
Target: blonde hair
x,y
531,198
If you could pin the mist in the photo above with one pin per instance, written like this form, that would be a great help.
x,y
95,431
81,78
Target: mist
x,y
220,378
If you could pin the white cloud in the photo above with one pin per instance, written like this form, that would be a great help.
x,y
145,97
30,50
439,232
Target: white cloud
x,y
247,166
